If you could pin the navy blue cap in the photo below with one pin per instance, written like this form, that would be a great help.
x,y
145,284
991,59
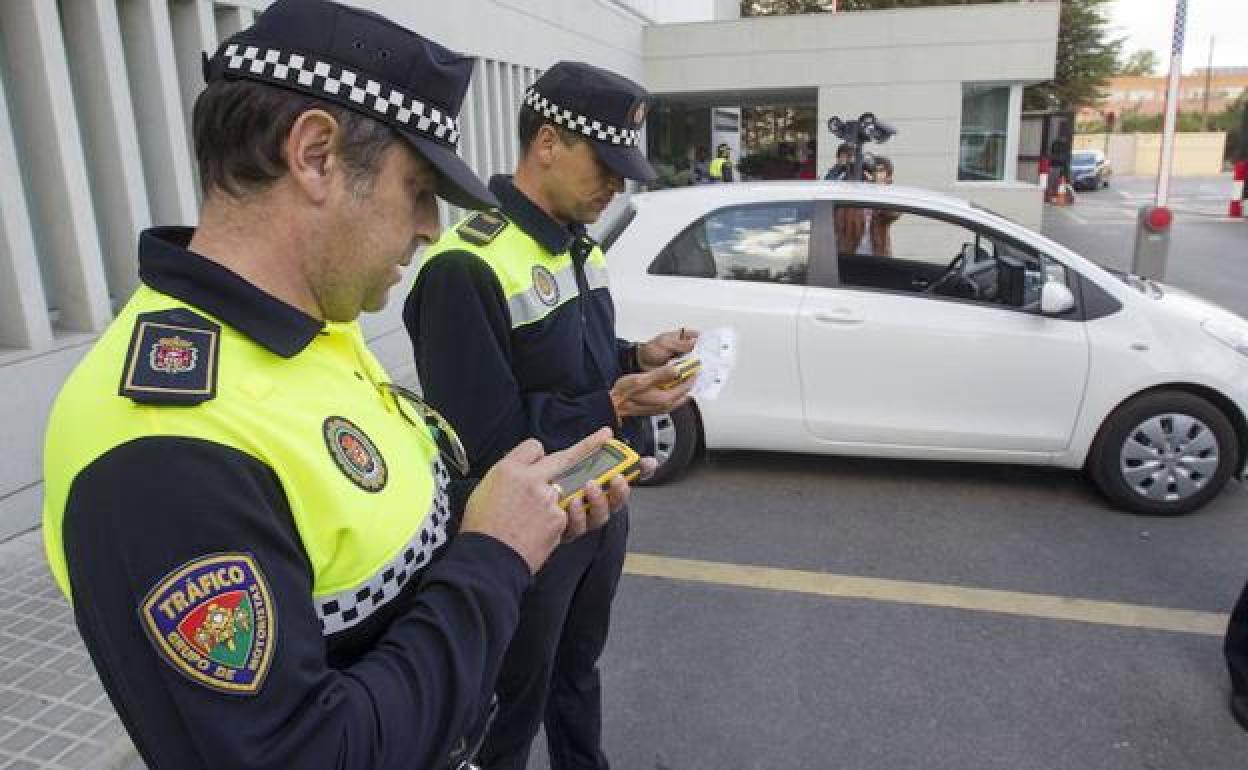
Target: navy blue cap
x,y
362,61
607,108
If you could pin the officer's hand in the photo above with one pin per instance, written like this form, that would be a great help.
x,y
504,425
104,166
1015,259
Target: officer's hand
x,y
640,395
665,347
516,503
590,512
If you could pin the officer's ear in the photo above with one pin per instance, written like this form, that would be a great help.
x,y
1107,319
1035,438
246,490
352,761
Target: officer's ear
x,y
312,153
544,145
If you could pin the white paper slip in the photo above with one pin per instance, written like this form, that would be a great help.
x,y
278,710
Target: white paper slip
x,y
717,350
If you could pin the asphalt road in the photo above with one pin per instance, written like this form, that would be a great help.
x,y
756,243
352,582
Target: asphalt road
x,y
711,674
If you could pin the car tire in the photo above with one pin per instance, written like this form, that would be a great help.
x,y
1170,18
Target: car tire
x,y
675,443
1164,453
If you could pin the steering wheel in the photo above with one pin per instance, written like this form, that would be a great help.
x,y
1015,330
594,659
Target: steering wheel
x,y
955,282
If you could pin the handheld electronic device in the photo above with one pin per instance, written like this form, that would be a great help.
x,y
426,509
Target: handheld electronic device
x,y
686,367
614,458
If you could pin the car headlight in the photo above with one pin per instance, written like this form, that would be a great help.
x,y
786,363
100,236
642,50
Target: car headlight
x,y
1229,333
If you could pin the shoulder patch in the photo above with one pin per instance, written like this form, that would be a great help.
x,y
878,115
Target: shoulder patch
x,y
172,359
482,228
213,620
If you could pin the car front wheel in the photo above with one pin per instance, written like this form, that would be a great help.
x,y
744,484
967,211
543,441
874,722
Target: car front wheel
x,y
1164,454
675,442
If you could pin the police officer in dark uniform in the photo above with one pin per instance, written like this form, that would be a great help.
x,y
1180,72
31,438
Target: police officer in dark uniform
x,y
513,329
266,558
1235,647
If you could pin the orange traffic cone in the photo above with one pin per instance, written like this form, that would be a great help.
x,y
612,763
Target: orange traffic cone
x,y
1065,194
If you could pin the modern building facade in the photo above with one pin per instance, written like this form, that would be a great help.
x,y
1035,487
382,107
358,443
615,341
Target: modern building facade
x,y
95,98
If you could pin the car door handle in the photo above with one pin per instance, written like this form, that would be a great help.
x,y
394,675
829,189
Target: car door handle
x,y
843,316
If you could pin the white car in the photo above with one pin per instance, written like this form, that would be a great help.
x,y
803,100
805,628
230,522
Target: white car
x,y
933,329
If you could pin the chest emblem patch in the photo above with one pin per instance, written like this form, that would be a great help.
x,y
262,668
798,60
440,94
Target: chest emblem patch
x,y
212,619
355,454
545,286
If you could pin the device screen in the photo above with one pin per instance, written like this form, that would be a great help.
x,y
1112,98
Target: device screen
x,y
598,463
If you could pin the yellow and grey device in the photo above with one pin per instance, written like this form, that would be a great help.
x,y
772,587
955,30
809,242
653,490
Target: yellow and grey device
x,y
686,368
614,458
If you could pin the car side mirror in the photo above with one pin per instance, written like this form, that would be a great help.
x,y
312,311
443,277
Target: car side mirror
x,y
1055,298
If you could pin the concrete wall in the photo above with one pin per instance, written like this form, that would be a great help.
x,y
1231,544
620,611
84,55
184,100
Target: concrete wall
x,y
1195,154
94,165
907,66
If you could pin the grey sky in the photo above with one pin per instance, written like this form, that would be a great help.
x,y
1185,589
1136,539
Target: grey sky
x,y
1150,23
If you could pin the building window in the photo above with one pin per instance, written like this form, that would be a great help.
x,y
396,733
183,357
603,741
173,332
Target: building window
x,y
985,121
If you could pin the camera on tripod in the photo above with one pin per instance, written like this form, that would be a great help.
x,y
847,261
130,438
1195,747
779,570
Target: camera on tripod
x,y
867,128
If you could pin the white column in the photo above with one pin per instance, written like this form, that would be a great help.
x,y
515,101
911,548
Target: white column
x,y
498,119
231,19
153,73
23,310
66,238
507,115
1013,130
194,33
481,112
106,112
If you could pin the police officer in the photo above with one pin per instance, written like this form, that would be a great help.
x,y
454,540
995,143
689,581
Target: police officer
x,y
1235,648
513,330
265,558
721,166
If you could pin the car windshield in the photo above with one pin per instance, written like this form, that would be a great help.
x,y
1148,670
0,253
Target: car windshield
x,y
1083,158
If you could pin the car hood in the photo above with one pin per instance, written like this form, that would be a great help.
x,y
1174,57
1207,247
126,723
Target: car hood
x,y
1176,302
1183,303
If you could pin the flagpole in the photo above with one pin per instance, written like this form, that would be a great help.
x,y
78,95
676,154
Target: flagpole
x,y
1172,103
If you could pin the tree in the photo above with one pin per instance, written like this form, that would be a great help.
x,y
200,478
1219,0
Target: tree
x,y
1143,62
1086,56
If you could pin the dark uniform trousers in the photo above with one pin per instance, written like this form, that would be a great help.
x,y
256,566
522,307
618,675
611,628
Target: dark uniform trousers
x,y
1236,648
578,583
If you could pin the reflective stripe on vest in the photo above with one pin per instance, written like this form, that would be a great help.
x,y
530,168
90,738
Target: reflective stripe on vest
x,y
534,282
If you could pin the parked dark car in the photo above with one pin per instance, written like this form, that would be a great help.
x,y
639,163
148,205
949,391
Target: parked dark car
x,y
1090,170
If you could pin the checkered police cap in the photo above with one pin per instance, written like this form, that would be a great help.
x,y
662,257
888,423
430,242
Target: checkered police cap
x,y
362,61
607,108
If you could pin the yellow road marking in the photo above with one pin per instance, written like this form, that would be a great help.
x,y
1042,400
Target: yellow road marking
x,y
928,594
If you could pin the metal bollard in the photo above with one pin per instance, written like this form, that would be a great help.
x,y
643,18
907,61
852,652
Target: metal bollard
x,y
1152,242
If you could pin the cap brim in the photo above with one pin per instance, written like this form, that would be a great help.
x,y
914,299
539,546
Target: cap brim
x,y
457,183
628,162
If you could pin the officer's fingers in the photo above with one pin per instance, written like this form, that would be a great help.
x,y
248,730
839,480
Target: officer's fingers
x,y
597,506
576,525
556,463
618,492
648,466
526,452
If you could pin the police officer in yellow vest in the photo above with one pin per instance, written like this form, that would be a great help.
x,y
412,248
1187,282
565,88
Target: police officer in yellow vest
x,y
266,558
513,330
721,166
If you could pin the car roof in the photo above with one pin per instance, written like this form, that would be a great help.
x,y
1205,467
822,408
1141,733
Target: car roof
x,y
761,192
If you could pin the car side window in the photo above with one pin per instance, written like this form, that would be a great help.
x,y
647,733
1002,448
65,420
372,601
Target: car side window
x,y
896,250
768,243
